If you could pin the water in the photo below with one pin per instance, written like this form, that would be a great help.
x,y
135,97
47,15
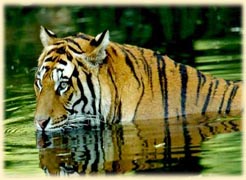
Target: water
x,y
131,149
20,152
145,147
135,148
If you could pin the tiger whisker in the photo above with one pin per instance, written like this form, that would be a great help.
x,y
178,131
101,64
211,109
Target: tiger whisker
x,y
87,116
84,120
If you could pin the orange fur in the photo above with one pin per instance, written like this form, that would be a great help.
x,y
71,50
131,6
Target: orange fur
x,y
125,83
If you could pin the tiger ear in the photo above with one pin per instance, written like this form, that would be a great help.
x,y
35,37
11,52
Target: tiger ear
x,y
47,37
99,44
101,39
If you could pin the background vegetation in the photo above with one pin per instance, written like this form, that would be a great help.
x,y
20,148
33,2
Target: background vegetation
x,y
184,32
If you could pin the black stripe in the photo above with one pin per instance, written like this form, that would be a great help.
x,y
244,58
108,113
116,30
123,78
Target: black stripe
x,y
61,61
128,61
51,51
119,113
37,84
94,166
163,83
116,93
183,96
74,42
187,139
61,50
50,59
205,105
58,43
59,69
234,126
232,95
132,55
79,63
91,87
139,81
114,51
69,56
216,86
74,50
100,98
75,73
147,69
130,64
203,79
183,93
228,82
222,101
70,97
201,133
76,103
82,36
119,142
135,112
198,86
86,154
47,68
82,98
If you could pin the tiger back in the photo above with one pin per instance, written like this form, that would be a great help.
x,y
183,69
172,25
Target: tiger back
x,y
83,77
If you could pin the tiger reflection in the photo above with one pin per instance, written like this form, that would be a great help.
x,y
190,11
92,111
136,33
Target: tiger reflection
x,y
135,147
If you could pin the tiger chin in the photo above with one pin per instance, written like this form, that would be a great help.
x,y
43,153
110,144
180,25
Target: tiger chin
x,y
82,78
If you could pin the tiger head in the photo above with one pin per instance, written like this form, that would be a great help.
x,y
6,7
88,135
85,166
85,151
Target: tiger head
x,y
66,81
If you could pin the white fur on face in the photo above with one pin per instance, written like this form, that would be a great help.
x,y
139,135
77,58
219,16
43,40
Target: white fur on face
x,y
61,74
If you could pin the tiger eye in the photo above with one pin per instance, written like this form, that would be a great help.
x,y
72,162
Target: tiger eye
x,y
63,85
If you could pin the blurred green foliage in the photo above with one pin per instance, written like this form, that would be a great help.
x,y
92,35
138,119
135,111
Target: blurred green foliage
x,y
172,30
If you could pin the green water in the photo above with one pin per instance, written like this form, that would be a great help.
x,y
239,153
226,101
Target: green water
x,y
21,154
23,149
223,154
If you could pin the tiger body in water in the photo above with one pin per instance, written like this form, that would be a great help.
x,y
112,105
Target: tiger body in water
x,y
93,77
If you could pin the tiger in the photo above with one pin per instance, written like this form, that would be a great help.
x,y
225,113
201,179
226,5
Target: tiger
x,y
86,77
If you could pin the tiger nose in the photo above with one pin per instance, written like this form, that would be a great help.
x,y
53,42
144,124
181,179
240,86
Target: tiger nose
x,y
43,123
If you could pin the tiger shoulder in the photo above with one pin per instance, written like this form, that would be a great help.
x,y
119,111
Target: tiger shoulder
x,y
92,76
